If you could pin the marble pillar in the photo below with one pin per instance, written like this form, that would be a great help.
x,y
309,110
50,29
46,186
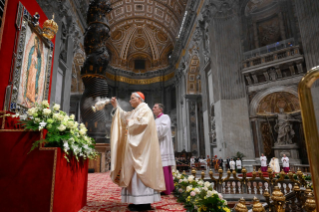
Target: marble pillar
x,y
55,63
206,111
233,132
68,77
233,128
308,18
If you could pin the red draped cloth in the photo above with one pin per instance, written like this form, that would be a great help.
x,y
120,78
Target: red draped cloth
x,y
41,180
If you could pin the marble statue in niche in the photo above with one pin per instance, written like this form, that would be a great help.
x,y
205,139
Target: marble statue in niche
x,y
206,45
212,125
63,45
284,127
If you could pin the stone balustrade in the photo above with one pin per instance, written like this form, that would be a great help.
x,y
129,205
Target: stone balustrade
x,y
271,57
258,184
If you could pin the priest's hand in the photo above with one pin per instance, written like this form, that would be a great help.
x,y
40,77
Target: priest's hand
x,y
114,102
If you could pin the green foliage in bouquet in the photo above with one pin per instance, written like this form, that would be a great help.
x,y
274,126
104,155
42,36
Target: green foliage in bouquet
x,y
305,177
63,131
239,155
197,195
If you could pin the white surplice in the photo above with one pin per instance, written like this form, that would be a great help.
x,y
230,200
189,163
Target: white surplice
x,y
263,161
285,162
163,126
238,164
232,164
137,193
192,161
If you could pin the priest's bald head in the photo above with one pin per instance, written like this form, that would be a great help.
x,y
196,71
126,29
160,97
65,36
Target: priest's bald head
x,y
137,98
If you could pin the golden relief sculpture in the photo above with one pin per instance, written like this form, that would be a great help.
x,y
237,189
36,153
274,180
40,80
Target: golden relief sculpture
x,y
194,82
139,43
140,81
273,102
117,35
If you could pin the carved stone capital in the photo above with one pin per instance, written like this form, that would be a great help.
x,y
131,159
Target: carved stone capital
x,y
248,78
292,69
272,74
278,71
299,67
220,9
198,35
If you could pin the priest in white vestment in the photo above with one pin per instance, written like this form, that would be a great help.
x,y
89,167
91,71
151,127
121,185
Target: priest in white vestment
x,y
192,161
136,163
263,163
238,165
232,165
285,163
163,126
274,165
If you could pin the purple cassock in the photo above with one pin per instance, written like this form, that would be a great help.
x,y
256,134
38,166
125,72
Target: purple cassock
x,y
163,126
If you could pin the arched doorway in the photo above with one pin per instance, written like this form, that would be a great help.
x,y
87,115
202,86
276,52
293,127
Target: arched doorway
x,y
278,123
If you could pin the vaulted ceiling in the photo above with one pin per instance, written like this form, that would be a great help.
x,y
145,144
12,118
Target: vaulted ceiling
x,y
143,30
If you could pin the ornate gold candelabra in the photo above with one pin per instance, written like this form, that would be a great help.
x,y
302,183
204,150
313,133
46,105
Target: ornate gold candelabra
x,y
310,204
278,199
310,125
257,206
241,206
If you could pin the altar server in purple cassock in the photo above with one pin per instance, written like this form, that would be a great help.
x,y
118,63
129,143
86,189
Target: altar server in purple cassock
x,y
163,126
285,163
263,163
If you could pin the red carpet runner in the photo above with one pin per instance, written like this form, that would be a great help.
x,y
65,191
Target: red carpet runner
x,y
104,195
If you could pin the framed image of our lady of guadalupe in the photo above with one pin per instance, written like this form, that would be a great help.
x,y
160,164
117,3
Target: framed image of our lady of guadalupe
x,y
31,77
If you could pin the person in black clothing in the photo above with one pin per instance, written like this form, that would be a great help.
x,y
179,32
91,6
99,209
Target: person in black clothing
x,y
221,161
227,161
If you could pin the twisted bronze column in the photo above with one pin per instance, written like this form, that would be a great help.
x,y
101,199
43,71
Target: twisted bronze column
x,y
94,68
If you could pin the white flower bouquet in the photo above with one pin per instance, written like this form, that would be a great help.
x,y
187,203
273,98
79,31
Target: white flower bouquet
x,y
197,195
62,131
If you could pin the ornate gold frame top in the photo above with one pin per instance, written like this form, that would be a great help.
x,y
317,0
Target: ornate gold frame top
x,y
310,125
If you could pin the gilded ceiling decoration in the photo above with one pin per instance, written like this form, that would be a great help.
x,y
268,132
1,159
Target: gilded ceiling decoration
x,y
272,102
133,81
143,30
194,82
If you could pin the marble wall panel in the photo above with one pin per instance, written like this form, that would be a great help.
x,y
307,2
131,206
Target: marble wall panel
x,y
233,128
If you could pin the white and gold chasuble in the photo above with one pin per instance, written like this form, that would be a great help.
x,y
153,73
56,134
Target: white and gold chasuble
x,y
135,148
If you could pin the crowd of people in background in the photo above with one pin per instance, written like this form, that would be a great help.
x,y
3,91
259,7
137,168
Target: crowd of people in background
x,y
215,163
232,163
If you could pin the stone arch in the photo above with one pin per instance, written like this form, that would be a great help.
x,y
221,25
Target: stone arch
x,y
253,108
